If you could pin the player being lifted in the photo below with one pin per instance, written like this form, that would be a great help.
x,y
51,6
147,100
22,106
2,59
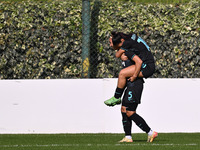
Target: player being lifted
x,y
138,63
136,49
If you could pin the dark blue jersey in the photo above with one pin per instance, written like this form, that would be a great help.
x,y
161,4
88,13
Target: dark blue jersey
x,y
127,63
137,46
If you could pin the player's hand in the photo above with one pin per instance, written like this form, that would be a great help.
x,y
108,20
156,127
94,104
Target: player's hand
x,y
132,79
124,57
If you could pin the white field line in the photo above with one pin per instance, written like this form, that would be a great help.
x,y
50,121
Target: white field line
x,y
89,145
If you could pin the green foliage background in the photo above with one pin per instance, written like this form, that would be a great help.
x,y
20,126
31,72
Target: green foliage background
x,y
42,39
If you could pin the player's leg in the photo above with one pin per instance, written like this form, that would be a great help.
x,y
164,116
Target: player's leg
x,y
123,75
126,73
141,123
147,70
127,125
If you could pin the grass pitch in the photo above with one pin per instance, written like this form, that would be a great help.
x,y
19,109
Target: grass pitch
x,y
165,141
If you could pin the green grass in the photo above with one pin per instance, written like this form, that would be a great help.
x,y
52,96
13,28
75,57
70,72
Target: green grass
x,y
165,141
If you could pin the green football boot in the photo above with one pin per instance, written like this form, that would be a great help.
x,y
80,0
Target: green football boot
x,y
113,101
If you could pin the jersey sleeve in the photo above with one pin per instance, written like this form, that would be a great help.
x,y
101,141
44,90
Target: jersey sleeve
x,y
130,49
130,54
126,45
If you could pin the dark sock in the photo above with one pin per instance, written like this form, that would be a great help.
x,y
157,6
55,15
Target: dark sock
x,y
140,122
127,124
118,92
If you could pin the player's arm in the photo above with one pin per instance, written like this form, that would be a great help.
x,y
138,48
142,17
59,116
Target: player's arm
x,y
119,53
138,65
124,57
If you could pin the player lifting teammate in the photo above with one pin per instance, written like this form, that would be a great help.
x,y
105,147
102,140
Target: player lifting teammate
x,y
138,63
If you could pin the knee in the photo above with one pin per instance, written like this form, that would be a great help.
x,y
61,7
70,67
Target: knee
x,y
130,113
122,73
123,109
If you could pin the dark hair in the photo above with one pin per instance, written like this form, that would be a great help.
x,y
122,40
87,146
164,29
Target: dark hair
x,y
117,36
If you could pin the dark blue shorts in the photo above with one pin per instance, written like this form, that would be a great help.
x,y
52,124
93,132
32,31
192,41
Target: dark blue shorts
x,y
148,69
132,94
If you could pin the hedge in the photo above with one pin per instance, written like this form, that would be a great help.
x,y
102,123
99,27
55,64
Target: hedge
x,y
42,40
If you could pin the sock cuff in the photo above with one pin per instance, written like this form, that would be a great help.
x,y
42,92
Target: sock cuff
x,y
120,88
118,92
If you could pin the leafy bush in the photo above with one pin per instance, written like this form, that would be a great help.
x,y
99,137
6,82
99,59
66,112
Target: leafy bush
x,y
172,32
41,40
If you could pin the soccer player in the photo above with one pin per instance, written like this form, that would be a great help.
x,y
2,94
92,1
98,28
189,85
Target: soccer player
x,y
136,49
131,99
